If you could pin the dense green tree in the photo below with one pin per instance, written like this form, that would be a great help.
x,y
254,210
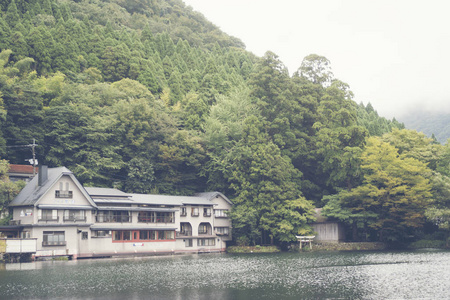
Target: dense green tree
x,y
316,69
261,177
8,190
395,189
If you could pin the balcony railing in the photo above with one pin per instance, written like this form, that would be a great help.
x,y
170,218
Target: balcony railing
x,y
14,222
222,233
75,219
194,214
113,219
62,243
207,214
63,194
183,214
184,233
153,219
204,232
49,219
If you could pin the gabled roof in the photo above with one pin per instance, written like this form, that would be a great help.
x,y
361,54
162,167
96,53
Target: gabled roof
x,y
212,195
32,192
105,192
169,200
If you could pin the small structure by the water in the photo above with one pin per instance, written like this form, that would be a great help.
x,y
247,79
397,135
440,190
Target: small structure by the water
x,y
305,239
327,231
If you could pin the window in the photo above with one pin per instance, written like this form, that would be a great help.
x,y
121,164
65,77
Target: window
x,y
53,238
183,211
156,217
164,217
222,230
117,216
221,213
194,211
84,235
188,243
166,235
101,233
143,235
206,242
124,235
185,229
74,215
63,192
48,215
25,235
146,217
204,228
207,212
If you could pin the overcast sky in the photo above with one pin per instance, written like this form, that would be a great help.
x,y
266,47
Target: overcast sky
x,y
393,53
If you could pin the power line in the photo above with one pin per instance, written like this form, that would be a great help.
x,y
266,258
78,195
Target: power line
x,y
32,146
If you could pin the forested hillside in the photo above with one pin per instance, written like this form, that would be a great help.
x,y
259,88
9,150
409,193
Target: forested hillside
x,y
150,97
433,124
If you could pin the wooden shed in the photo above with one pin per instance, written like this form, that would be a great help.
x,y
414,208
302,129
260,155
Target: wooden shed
x,y
327,231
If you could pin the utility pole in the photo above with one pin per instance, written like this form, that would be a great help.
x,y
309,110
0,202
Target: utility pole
x,y
34,156
32,146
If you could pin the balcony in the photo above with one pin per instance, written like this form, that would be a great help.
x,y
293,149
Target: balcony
x,y
49,219
75,219
184,233
64,194
59,243
155,219
18,245
113,219
14,222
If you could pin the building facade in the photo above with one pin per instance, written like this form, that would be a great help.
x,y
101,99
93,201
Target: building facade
x,y
67,219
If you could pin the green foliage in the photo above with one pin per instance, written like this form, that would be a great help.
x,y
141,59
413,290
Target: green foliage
x,y
395,189
149,96
8,190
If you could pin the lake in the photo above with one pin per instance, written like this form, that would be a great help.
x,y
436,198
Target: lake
x,y
310,275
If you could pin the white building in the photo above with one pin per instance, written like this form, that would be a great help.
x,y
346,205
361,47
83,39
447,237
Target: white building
x,y
67,219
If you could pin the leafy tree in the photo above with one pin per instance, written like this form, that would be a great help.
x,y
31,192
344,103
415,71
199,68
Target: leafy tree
x,y
8,190
395,189
316,69
262,178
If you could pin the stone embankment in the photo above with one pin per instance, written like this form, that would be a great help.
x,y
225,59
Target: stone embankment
x,y
362,246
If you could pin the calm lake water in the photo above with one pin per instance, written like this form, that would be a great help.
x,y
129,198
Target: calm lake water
x,y
335,275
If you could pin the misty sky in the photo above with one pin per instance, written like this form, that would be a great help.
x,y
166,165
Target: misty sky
x,y
394,54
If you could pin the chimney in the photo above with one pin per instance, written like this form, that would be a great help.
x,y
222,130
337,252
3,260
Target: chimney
x,y
42,175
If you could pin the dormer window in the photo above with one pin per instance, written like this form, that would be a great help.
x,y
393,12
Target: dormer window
x,y
63,192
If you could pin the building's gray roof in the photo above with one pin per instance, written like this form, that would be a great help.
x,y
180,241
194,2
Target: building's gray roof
x,y
32,192
105,192
212,195
169,200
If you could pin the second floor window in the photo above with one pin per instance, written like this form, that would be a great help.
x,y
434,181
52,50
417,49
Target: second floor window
x,y
114,216
48,215
221,213
194,211
183,211
207,212
74,215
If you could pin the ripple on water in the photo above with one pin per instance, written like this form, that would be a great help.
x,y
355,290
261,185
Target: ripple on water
x,y
367,275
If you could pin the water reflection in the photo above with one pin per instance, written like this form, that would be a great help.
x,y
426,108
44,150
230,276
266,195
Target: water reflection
x,y
221,276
